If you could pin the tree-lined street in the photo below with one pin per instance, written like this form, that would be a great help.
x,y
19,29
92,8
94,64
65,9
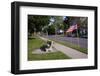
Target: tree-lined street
x,y
69,34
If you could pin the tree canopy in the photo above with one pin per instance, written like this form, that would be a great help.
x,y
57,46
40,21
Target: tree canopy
x,y
36,22
52,24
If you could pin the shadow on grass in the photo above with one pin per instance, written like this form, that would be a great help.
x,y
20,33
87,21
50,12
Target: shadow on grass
x,y
30,38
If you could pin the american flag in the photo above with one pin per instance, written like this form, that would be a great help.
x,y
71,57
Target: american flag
x,y
72,28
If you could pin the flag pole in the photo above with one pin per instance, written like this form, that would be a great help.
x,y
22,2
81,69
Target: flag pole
x,y
71,39
77,37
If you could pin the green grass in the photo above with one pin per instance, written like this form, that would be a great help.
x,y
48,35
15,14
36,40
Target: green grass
x,y
73,46
35,43
48,56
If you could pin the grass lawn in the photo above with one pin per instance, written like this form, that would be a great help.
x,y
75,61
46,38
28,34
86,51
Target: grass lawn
x,y
73,46
35,43
48,56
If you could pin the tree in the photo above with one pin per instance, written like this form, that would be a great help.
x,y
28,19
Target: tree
x,y
58,23
36,22
51,30
66,23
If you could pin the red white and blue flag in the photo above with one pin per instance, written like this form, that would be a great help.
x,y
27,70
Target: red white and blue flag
x,y
72,28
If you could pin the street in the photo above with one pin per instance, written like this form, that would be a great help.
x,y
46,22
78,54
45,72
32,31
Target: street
x,y
82,42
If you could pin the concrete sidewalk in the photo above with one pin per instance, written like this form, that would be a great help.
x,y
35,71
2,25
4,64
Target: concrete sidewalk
x,y
69,51
74,54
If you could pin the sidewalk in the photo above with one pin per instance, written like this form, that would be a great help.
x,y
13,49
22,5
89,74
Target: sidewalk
x,y
74,54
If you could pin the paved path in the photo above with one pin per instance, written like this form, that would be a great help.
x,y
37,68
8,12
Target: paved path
x,y
74,54
38,51
69,51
